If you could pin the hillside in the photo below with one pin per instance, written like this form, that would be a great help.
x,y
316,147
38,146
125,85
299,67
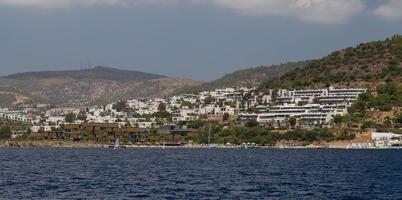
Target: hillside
x,y
246,78
97,73
89,86
365,65
375,65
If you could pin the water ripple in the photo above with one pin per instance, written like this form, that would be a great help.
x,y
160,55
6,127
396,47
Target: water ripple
x,y
46,173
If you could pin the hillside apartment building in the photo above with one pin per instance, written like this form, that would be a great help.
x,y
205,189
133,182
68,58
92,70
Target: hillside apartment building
x,y
309,106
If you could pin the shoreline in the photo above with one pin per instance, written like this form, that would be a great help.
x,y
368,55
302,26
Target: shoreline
x,y
72,144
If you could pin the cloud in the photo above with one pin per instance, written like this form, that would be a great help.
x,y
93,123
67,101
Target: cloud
x,y
66,3
53,3
391,9
318,11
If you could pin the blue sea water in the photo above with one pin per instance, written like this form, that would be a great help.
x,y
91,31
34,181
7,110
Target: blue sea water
x,y
50,173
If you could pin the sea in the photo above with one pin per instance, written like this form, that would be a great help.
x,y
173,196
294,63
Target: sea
x,y
205,173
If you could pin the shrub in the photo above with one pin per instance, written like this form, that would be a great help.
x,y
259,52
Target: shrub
x,y
252,123
5,132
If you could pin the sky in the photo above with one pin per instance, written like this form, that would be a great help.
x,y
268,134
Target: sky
x,y
198,39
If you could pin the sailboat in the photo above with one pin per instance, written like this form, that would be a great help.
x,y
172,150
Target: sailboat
x,y
116,143
209,137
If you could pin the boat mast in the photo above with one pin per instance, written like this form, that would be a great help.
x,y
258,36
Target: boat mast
x,y
209,135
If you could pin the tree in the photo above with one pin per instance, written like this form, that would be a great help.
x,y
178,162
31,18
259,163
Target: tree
x,y
182,123
398,120
338,119
346,136
82,115
70,117
161,107
162,114
195,124
349,119
120,106
5,132
226,116
252,123
209,100
186,104
292,122
128,124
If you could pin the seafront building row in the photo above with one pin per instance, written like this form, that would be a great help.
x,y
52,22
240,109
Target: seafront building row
x,y
309,108
274,109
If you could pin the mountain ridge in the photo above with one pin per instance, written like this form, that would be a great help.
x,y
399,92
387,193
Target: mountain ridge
x,y
98,72
97,85
362,66
249,77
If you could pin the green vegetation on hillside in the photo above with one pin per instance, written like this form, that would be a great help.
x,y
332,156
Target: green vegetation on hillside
x,y
245,78
5,132
252,132
381,110
365,64
7,126
260,135
388,96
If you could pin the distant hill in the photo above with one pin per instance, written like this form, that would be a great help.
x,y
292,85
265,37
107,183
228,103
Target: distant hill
x,y
97,73
89,86
364,65
246,78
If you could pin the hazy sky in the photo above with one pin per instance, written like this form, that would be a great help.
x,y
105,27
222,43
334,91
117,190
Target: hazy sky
x,y
199,39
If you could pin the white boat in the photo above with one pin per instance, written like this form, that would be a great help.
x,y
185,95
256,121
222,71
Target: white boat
x,y
117,143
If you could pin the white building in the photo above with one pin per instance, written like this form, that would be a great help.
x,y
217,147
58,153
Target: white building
x,y
43,128
386,139
311,106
